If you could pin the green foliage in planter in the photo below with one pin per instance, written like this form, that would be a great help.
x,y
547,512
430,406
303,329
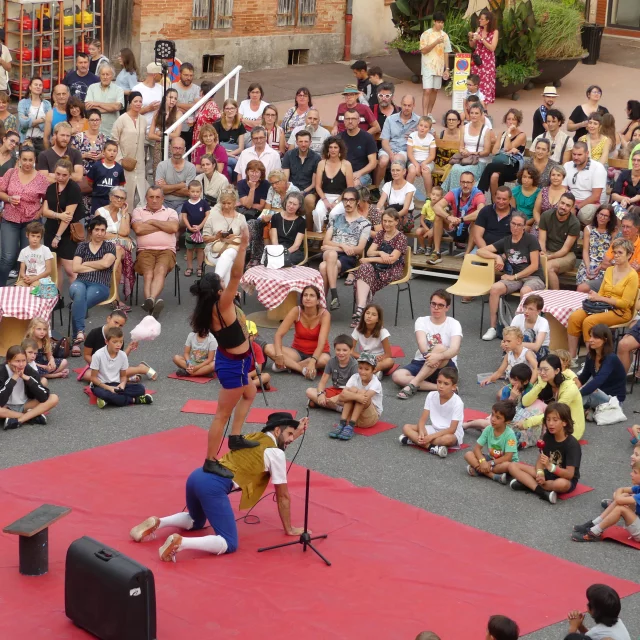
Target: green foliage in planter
x,y
412,17
560,29
407,44
519,32
457,28
513,72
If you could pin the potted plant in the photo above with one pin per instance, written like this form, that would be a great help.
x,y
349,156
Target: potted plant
x,y
413,17
559,49
516,50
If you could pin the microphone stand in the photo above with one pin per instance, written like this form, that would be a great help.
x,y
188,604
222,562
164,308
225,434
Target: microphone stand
x,y
305,537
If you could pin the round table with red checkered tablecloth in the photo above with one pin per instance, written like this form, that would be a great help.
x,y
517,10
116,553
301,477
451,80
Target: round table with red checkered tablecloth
x,y
17,307
277,290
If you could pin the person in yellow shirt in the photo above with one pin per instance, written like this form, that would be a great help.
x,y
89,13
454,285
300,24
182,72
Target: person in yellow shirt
x,y
425,230
434,47
619,290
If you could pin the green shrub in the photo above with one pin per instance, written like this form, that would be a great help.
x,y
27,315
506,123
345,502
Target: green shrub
x,y
512,72
560,24
457,28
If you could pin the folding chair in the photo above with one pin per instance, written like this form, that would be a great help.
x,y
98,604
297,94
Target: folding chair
x,y
404,284
113,295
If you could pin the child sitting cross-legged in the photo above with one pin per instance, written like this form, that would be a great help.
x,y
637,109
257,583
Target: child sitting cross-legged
x,y
446,410
198,358
635,457
361,399
603,605
109,374
337,372
48,366
96,339
30,347
501,444
535,329
558,467
23,398
516,353
625,505
371,336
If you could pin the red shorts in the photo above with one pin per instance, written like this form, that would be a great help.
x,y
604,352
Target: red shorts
x,y
332,392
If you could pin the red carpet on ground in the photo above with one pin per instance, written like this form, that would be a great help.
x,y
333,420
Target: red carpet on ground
x,y
397,570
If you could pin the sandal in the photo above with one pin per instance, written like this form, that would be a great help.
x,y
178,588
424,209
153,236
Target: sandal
x,y
79,339
349,280
407,392
188,272
75,351
121,306
152,374
356,317
199,273
135,379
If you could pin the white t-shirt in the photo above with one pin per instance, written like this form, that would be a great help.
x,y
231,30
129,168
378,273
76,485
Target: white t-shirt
x,y
370,345
109,368
275,463
542,324
19,395
149,95
317,137
438,333
442,415
35,260
200,347
421,146
586,180
617,632
4,74
397,196
374,385
246,111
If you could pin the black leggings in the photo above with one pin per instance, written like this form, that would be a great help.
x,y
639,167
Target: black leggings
x,y
508,173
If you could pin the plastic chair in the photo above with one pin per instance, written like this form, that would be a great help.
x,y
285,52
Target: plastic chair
x,y
113,295
404,284
476,278
176,284
618,329
54,279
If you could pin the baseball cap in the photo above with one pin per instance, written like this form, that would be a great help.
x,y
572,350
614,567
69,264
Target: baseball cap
x,y
350,88
369,358
550,91
152,67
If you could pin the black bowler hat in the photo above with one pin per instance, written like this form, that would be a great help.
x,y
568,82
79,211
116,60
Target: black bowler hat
x,y
280,419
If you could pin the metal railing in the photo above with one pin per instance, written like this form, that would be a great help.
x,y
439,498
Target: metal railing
x,y
223,83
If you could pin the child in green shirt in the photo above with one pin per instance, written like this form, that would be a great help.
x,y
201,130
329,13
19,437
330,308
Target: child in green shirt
x,y
501,443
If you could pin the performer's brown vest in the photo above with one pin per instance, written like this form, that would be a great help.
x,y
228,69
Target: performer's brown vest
x,y
248,469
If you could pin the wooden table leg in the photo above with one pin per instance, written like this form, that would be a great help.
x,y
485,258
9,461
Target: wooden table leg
x,y
271,319
558,334
12,332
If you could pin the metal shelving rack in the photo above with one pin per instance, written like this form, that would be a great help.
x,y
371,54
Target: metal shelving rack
x,y
24,24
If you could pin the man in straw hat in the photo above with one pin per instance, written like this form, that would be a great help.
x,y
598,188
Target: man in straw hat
x,y
549,97
208,494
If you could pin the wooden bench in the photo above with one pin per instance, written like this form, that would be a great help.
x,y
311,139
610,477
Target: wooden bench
x,y
33,529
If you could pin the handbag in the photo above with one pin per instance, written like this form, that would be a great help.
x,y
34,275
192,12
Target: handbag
x,y
77,232
609,412
276,256
380,266
595,306
128,163
477,60
61,348
472,159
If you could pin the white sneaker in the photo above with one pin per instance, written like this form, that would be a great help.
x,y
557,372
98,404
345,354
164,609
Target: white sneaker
x,y
13,273
404,440
491,334
574,363
441,451
145,529
168,550
276,369
379,375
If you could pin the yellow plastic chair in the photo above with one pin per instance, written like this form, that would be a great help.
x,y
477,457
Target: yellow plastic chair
x,y
475,279
403,284
113,295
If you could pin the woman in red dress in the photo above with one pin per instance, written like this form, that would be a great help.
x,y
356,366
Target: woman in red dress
x,y
484,42
209,111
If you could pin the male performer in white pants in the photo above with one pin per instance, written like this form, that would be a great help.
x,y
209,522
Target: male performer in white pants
x,y
208,499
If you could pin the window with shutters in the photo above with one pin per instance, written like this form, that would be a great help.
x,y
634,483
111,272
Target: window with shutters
x,y
223,14
300,12
201,14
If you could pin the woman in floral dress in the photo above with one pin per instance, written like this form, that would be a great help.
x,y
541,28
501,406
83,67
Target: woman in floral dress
x,y
484,42
90,144
596,241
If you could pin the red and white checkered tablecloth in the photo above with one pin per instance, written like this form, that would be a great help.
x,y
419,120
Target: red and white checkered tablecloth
x,y
560,304
274,285
17,302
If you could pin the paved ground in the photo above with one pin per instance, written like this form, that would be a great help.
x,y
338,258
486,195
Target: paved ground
x,y
440,486
621,51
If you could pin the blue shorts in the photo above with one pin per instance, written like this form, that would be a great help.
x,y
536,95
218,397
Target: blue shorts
x,y
233,373
347,262
208,499
415,365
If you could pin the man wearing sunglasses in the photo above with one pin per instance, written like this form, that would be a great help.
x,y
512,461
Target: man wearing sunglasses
x,y
586,179
385,106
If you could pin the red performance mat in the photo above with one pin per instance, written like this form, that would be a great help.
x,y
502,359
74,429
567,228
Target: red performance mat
x,y
378,427
381,557
390,372
396,351
259,415
197,379
473,414
620,534
208,407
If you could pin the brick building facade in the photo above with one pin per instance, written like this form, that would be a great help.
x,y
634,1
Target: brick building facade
x,y
217,35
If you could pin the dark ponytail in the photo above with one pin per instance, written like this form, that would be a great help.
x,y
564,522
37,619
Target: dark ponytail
x,y
207,291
